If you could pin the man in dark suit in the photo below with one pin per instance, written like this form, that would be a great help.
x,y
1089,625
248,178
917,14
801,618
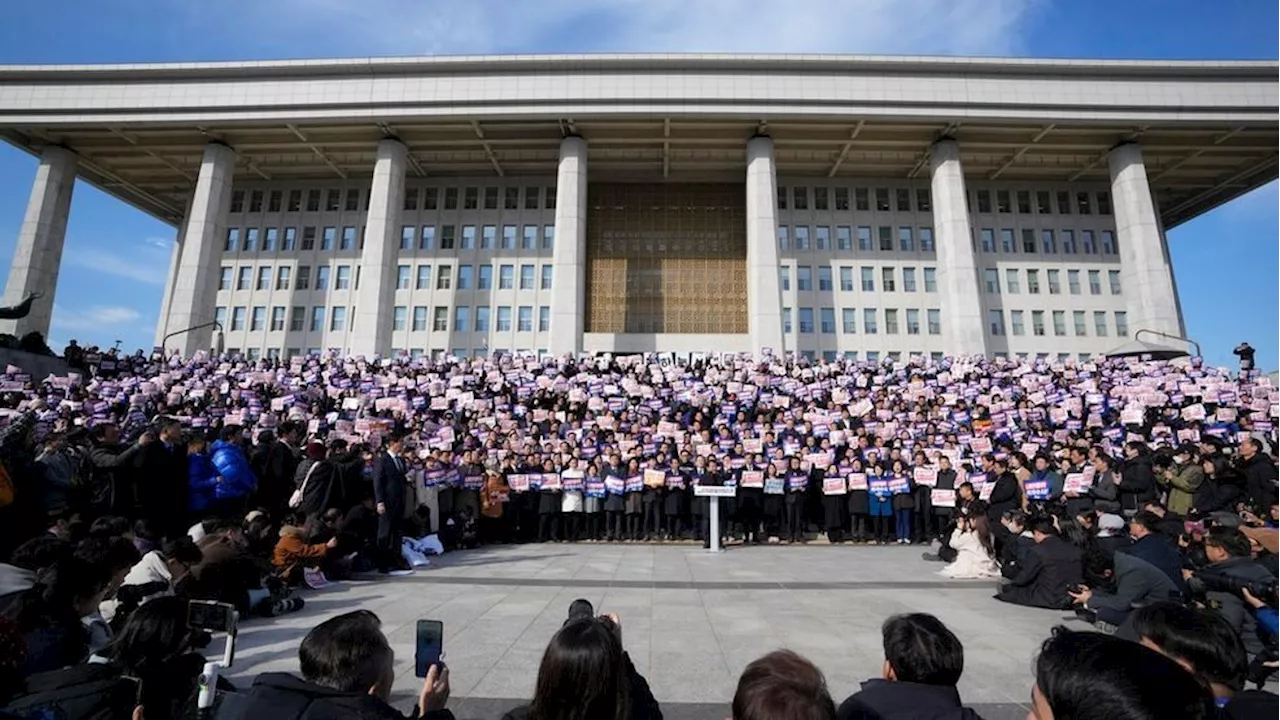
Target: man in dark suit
x,y
389,480
162,480
1051,568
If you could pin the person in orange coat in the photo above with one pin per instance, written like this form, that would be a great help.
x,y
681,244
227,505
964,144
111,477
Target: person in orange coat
x,y
492,507
292,553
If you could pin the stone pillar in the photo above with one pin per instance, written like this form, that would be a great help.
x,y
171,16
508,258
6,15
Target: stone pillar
x,y
963,329
569,300
195,286
373,314
39,250
162,323
1146,276
764,294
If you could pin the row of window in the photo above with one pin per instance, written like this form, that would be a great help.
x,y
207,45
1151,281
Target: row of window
x,y
867,278
985,240
425,198
905,200
253,354
255,318
870,321
1053,281
451,237
802,237
479,277
1058,320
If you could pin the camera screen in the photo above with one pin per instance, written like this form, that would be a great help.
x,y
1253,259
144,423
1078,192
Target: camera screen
x,y
212,616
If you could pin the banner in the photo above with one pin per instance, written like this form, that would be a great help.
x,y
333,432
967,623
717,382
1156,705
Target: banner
x,y
752,479
1076,483
1036,489
614,485
857,481
834,485
942,498
898,485
655,478
926,476
773,486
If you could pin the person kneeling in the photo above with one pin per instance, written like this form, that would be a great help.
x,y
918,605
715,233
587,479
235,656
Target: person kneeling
x,y
292,555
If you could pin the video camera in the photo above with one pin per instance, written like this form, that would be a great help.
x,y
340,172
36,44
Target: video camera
x,y
1264,589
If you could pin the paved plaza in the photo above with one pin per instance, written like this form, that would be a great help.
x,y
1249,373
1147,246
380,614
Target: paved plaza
x,y
691,620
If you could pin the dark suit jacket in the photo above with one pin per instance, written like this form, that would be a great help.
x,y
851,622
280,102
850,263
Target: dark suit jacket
x,y
389,484
1159,551
1049,569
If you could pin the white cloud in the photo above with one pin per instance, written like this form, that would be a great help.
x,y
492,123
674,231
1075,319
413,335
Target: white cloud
x,y
146,262
94,317
415,27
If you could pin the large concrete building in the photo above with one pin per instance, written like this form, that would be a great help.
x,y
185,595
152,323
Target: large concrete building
x,y
861,206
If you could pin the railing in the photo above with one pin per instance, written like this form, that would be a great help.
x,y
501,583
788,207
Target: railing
x,y
1189,341
219,340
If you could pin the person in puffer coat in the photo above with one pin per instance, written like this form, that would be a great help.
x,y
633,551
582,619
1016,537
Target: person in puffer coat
x,y
202,478
238,481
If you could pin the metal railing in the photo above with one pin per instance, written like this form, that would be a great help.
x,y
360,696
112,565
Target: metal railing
x,y
219,340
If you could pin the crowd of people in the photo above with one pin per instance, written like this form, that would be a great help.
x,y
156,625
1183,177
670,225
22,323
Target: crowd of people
x,y
1106,486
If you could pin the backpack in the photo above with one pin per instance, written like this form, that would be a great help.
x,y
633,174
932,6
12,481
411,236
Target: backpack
x,y
92,691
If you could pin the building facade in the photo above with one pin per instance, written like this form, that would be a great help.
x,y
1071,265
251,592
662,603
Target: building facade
x,y
858,207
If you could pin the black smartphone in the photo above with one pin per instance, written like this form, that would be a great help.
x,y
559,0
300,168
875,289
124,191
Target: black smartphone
x,y
211,616
429,647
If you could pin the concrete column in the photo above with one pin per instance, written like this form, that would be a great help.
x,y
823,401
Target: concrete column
x,y
963,329
764,294
373,314
195,286
39,250
569,300
162,323
1145,274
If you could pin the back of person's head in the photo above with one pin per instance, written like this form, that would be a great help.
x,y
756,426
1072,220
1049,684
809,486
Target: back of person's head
x,y
583,674
181,549
782,686
348,653
1231,541
154,634
1099,566
109,526
39,553
231,434
1044,526
918,648
69,588
146,530
1087,675
114,553
1201,641
1147,519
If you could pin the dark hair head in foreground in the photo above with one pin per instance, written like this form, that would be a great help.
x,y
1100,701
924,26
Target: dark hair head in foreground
x,y
918,648
348,653
583,674
782,686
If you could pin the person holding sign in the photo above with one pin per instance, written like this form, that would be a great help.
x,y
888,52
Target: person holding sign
x,y
879,503
775,486
833,503
593,502
571,501
651,497
946,480
856,504
549,504
751,499
903,501
614,487
633,502
925,477
797,484
675,504
1044,484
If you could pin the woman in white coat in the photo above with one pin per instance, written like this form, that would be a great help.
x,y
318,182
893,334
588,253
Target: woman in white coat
x,y
975,556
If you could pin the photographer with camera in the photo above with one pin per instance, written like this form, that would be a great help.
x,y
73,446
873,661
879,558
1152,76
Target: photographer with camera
x,y
1230,570
1245,352
1118,582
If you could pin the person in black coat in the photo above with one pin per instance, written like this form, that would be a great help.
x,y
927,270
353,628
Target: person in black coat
x,y
389,485
1005,495
1155,548
614,504
833,507
319,480
162,483
112,465
675,501
750,502
1048,571
1137,480
1259,475
548,509
279,467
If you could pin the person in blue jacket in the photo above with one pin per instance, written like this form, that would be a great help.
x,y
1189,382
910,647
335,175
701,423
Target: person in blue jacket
x,y
202,478
879,503
238,481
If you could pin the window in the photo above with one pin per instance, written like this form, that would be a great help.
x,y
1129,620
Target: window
x,y
447,237
511,198
317,319
352,203
264,278
869,321
1099,322
451,198
924,200
531,197
1122,323
820,199
424,278
427,239
864,238
873,356
1104,203
784,241
295,200
846,279
882,199
1029,241
1003,205
993,281
1073,282
1113,280
1048,244
906,241
1011,284
804,318
913,322
548,237
322,277
1087,244
827,320
984,202
237,318
545,281
491,198
1024,202
786,320
250,240
848,321
282,277
886,238
342,280
930,279
1068,242
482,318
258,318
526,277
333,200
1095,282
419,318
440,319
506,277
804,278
861,199
406,237
1042,203
508,237
1006,242
237,201
933,318
243,278
411,198
468,237
1108,242
1033,282
1077,319
995,319
868,279
470,198
399,317
1055,281
908,279
297,316
224,278
842,198
799,198
444,277
802,237
524,319
1059,323
270,237
1016,326
529,237
462,319
464,277
290,239
304,277
544,318
926,240
887,282
220,316
822,237
1083,203
313,200
987,239
844,238
348,241
1037,323
902,200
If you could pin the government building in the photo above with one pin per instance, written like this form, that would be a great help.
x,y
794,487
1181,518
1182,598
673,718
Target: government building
x,y
864,207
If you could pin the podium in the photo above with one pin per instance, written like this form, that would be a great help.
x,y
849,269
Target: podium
x,y
714,493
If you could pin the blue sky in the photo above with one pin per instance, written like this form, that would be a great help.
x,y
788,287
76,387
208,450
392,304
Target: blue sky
x,y
116,258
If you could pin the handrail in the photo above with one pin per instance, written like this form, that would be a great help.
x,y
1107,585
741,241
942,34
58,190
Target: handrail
x,y
215,324
1189,341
